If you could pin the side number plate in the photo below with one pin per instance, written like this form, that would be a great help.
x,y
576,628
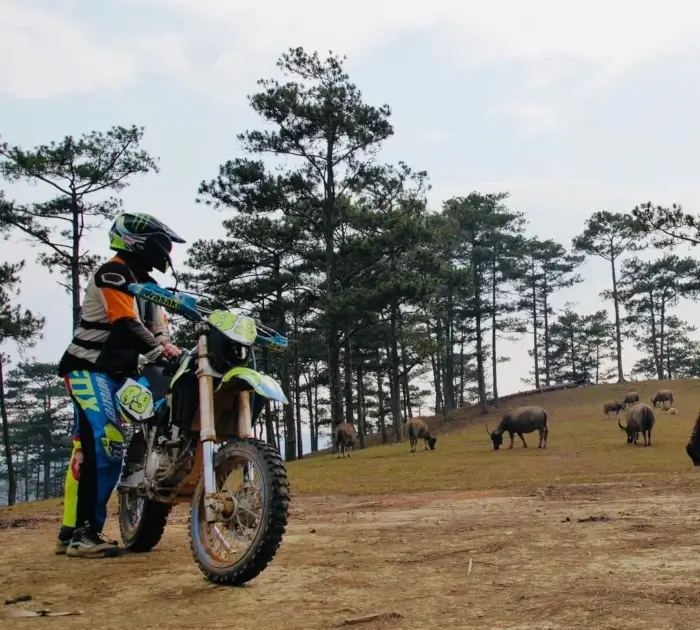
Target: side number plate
x,y
135,400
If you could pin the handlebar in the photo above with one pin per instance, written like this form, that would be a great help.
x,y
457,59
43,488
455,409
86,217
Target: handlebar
x,y
269,338
186,304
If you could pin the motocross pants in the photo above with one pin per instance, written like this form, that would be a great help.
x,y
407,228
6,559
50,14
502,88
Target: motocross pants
x,y
98,448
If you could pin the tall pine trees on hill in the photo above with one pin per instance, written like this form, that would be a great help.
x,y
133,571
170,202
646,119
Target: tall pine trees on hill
x,y
393,309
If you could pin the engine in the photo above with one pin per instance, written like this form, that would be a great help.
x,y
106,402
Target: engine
x,y
164,470
159,465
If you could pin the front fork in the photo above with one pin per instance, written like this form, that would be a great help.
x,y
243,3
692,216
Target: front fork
x,y
207,432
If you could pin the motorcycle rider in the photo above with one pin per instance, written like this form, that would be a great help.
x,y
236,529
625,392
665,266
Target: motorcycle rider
x,y
114,329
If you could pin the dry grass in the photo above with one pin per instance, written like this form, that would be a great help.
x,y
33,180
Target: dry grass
x,y
568,556
583,447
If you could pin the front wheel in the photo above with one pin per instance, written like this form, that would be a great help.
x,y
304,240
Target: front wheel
x,y
253,488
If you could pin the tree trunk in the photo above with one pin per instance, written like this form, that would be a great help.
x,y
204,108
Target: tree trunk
x,y
494,336
11,476
297,391
535,348
269,424
439,380
380,401
360,403
316,414
545,314
462,369
436,383
278,437
47,471
335,386
48,446
405,380
26,475
573,355
449,391
37,482
394,376
335,389
618,327
75,259
481,380
662,340
290,442
297,409
313,429
654,341
347,379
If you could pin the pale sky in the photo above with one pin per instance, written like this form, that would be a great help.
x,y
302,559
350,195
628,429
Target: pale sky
x,y
571,107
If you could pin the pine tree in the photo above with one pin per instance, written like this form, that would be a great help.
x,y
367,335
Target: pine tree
x,y
649,290
80,172
320,122
545,268
39,404
477,221
17,325
609,236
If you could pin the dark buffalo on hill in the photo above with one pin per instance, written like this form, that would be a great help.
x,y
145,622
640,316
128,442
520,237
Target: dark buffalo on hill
x,y
631,398
613,405
520,420
418,429
344,438
662,396
640,419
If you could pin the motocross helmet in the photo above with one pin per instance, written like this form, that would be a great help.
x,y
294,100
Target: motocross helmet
x,y
143,237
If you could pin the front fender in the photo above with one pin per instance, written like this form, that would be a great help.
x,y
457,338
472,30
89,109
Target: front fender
x,y
262,384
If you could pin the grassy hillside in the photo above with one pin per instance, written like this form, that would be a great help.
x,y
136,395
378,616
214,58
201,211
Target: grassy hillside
x,y
583,446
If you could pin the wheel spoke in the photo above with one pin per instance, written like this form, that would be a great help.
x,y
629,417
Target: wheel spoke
x,y
251,487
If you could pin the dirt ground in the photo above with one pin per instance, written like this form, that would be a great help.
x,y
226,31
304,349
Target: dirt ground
x,y
604,556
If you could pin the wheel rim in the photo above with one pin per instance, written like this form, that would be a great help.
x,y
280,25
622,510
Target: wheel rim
x,y
240,484
132,511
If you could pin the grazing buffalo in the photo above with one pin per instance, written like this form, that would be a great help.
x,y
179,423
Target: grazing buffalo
x,y
631,398
344,438
613,405
417,429
662,396
693,445
640,419
520,420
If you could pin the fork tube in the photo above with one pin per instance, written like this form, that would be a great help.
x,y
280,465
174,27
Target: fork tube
x,y
207,432
245,425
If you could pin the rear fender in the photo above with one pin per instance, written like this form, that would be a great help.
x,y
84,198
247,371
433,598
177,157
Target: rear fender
x,y
245,379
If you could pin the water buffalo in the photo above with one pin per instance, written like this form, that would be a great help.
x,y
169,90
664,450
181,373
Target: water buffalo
x,y
520,420
640,419
662,396
344,438
613,405
631,397
417,429
693,445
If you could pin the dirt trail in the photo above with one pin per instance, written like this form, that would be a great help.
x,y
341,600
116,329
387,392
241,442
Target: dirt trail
x,y
534,566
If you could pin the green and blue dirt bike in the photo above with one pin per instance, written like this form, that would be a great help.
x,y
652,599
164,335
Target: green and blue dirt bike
x,y
193,441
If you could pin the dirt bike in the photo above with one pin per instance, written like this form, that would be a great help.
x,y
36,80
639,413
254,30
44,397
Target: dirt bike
x,y
192,439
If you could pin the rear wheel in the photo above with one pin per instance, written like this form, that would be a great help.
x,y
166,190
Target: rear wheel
x,y
252,483
141,520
